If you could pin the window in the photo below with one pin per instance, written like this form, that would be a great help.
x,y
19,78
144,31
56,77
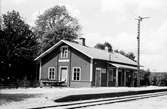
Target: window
x,y
76,73
64,52
51,73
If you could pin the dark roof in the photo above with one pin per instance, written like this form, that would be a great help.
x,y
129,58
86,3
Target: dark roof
x,y
93,53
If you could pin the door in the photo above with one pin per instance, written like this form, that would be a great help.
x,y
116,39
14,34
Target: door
x,y
98,77
120,77
103,77
63,73
111,77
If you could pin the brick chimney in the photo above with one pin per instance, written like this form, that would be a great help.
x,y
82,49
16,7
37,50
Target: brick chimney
x,y
82,41
106,49
110,52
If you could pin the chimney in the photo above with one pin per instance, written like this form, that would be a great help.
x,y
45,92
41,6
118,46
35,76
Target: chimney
x,y
109,56
106,49
82,41
109,52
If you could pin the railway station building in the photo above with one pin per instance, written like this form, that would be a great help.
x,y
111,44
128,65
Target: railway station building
x,y
74,64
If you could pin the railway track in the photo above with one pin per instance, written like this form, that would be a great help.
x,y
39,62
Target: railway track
x,y
90,103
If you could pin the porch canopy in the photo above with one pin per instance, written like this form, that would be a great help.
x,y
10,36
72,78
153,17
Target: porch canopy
x,y
123,66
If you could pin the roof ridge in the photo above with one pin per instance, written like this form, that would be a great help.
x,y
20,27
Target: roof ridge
x,y
90,47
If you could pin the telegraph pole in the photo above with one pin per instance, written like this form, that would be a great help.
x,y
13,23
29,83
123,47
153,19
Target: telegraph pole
x,y
139,19
0,14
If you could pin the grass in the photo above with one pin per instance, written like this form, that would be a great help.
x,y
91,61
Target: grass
x,y
6,98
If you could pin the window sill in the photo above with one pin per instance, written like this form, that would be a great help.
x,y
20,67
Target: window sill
x,y
64,60
80,81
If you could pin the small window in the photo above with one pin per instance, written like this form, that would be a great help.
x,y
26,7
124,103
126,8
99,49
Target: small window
x,y
51,73
64,52
76,73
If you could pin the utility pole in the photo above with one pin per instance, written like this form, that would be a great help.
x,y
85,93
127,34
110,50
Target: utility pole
x,y
0,14
139,19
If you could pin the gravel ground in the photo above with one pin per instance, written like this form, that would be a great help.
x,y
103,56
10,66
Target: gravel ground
x,y
36,97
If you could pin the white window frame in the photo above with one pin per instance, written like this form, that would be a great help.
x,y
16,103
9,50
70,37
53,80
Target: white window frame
x,y
49,73
62,55
79,73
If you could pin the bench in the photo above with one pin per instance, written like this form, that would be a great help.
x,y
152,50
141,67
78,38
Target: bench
x,y
53,83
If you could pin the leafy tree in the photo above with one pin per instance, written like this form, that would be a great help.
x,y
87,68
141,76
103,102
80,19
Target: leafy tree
x,y
102,46
56,24
18,47
122,52
131,56
0,23
146,77
107,44
116,51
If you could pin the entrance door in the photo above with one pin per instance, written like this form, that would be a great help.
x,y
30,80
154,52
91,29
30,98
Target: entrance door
x,y
103,77
111,77
63,73
120,77
98,77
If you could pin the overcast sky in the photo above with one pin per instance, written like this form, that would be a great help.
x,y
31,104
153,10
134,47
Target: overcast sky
x,y
112,21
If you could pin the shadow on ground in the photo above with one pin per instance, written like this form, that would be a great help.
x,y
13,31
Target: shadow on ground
x,y
105,95
7,98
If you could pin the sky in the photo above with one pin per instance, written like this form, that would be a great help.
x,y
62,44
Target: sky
x,y
112,21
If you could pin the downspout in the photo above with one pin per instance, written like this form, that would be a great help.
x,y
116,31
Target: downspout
x,y
69,72
40,71
116,77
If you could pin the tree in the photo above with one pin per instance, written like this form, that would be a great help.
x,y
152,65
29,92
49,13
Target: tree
x,y
116,51
131,56
107,44
18,47
122,52
99,46
102,46
0,22
56,24
146,77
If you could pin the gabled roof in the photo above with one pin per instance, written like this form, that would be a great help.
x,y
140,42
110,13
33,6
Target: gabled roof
x,y
93,53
